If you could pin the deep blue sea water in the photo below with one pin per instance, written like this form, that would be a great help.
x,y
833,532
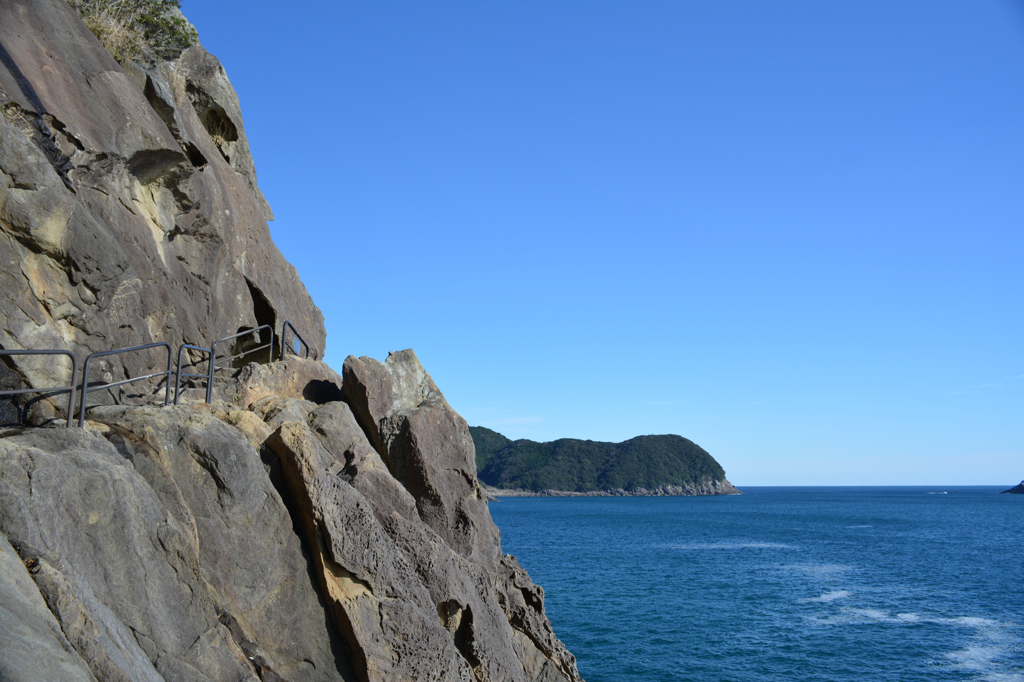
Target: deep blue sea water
x,y
781,583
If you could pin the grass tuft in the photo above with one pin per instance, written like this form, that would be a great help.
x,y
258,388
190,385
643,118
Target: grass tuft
x,y
134,29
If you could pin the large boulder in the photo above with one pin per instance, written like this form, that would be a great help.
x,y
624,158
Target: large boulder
x,y
33,644
427,447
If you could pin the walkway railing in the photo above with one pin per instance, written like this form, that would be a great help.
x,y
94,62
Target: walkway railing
x,y
177,382
85,375
284,335
168,373
58,389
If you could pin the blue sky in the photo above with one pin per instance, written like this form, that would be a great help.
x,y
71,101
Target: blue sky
x,y
790,231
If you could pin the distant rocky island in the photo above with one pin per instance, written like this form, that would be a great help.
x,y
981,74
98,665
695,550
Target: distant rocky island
x,y
641,466
1015,490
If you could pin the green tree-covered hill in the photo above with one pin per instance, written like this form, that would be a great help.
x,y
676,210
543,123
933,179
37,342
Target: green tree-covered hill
x,y
585,465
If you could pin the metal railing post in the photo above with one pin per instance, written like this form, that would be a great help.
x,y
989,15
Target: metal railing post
x,y
178,374
284,336
85,375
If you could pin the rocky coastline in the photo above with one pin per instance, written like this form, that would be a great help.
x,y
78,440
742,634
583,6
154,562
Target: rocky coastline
x,y
712,488
1016,490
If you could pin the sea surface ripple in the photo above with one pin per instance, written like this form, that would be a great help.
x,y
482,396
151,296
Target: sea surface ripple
x,y
828,584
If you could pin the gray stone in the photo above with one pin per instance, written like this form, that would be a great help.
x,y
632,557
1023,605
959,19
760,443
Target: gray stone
x,y
209,475
427,447
125,575
33,645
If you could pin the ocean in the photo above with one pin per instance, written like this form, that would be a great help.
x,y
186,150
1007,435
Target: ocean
x,y
902,583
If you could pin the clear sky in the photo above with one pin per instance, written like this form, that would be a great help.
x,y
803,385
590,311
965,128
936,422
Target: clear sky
x,y
792,232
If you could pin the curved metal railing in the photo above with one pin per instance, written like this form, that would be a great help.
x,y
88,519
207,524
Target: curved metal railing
x,y
59,389
85,389
284,335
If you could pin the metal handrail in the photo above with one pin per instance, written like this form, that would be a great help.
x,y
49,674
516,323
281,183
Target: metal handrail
x,y
178,374
60,389
210,375
213,354
284,334
85,375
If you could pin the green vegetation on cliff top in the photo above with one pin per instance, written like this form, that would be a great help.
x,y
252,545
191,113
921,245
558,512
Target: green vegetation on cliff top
x,y
586,465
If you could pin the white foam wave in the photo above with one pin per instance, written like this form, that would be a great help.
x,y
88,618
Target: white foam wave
x,y
827,597
820,570
854,615
735,545
987,654
986,658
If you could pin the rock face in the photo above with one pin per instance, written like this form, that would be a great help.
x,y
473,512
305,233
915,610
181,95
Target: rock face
x,y
1016,490
427,445
129,210
264,539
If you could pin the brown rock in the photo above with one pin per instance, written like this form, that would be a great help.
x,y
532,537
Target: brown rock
x,y
386,614
297,378
119,572
370,535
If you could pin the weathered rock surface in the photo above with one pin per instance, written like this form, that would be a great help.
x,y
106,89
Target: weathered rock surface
x,y
257,540
1016,490
410,604
129,210
294,378
33,645
427,446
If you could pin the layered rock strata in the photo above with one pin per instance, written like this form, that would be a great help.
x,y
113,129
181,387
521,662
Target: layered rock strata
x,y
129,210
269,537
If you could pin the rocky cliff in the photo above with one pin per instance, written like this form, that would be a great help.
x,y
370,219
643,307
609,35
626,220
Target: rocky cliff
x,y
129,210
302,526
268,536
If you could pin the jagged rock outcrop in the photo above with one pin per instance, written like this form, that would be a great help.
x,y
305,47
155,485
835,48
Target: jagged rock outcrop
x,y
428,447
129,210
1016,490
264,539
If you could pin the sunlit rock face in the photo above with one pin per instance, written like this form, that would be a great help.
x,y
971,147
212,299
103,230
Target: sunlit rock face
x,y
129,210
260,537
